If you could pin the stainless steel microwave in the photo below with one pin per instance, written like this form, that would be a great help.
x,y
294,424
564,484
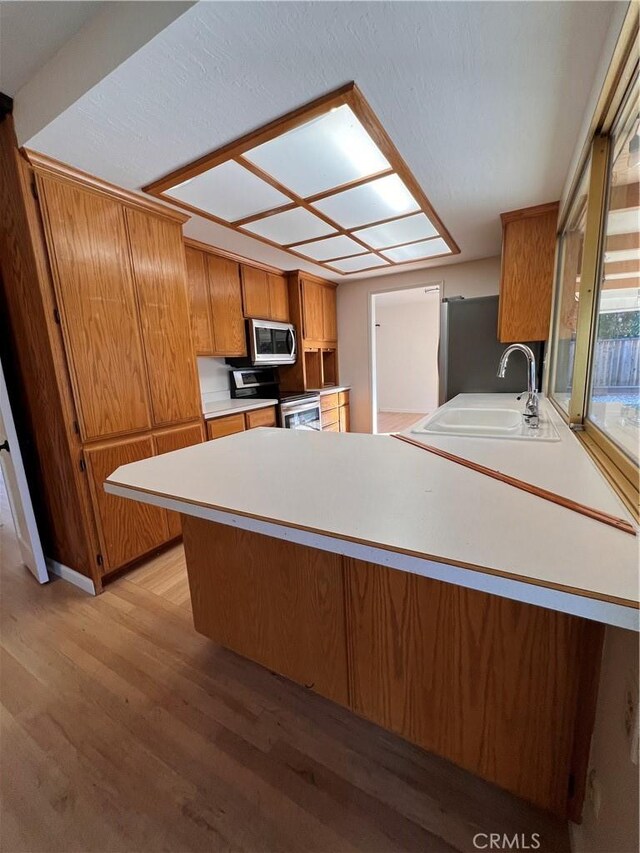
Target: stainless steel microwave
x,y
271,343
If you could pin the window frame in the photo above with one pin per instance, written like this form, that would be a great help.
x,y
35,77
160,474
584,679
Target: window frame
x,y
621,80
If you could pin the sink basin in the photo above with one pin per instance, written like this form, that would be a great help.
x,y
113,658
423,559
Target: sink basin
x,y
490,421
476,421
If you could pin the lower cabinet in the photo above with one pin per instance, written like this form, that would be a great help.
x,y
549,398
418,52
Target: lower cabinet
x,y
230,424
176,439
126,529
334,409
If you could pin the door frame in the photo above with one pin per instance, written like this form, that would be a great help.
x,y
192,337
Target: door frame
x,y
373,378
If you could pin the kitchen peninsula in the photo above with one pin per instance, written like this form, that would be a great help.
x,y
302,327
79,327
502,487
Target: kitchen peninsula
x,y
443,605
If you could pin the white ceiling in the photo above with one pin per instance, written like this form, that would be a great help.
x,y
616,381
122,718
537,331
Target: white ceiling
x,y
31,33
483,100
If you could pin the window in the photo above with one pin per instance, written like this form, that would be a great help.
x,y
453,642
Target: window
x,y
569,267
594,372
614,398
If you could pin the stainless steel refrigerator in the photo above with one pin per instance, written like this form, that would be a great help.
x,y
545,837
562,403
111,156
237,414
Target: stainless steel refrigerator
x,y
469,350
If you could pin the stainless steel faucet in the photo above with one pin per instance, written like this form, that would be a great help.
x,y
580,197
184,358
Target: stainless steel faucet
x,y
531,412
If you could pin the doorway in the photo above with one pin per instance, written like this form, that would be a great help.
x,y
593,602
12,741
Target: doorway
x,y
405,329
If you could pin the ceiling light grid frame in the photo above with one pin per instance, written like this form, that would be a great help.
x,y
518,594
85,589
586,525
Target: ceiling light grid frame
x,y
238,153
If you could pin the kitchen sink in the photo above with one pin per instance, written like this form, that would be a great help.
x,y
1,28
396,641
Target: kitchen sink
x,y
490,422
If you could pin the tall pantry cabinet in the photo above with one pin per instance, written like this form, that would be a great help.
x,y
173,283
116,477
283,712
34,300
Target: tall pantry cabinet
x,y
113,342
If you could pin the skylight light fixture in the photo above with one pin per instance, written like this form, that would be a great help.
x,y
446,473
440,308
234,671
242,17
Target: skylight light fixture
x,y
324,183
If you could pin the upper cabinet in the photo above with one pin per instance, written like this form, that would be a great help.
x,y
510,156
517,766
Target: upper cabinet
x,y
319,323
121,296
215,300
95,292
526,284
158,259
264,295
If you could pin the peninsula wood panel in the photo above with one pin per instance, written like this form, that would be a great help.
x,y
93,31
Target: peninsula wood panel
x,y
127,529
199,305
526,284
489,683
226,306
345,418
88,244
278,297
166,442
275,602
159,269
255,293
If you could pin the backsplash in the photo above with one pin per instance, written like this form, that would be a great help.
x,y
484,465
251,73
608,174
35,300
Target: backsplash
x,y
214,379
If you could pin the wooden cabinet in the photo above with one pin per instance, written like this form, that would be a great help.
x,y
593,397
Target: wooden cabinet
x,y
312,308
261,418
126,529
334,408
199,303
89,251
230,424
226,307
344,418
329,317
226,425
264,294
176,439
215,303
278,297
526,283
255,293
157,253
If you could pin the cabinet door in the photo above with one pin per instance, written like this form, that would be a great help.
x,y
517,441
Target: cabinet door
x,y
261,418
255,293
345,420
127,529
227,425
176,439
199,307
312,308
329,320
88,244
157,252
226,307
279,298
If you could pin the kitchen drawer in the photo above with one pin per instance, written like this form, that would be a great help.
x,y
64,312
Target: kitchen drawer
x,y
343,398
331,427
261,418
227,425
331,416
328,401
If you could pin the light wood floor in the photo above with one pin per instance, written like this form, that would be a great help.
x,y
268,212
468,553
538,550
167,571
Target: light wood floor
x,y
397,421
124,730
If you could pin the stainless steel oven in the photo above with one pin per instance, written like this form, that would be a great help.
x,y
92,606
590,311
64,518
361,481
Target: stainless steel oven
x,y
271,343
301,412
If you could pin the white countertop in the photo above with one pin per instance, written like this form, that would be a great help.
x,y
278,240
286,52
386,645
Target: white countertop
x,y
231,407
378,499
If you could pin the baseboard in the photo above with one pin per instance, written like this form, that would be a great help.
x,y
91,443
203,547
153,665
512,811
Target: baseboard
x,y
71,575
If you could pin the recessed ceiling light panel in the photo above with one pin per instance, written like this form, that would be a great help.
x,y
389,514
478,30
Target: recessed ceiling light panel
x,y
329,151
417,251
324,182
230,192
292,226
332,247
407,230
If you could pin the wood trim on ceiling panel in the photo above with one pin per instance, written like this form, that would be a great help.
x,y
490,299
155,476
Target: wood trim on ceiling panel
x,y
348,95
48,166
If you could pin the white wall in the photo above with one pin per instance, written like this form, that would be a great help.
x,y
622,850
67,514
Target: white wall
x,y
407,353
214,379
474,278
